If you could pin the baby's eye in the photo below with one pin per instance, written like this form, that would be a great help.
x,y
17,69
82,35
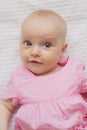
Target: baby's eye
x,y
47,45
27,43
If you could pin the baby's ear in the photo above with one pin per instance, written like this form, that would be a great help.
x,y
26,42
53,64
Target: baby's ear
x,y
64,48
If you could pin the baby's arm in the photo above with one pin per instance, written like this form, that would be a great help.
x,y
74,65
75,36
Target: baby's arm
x,y
6,109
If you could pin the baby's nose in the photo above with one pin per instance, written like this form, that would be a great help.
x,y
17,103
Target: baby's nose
x,y
35,51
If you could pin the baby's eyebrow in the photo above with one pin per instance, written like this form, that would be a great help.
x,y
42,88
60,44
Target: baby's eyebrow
x,y
51,39
25,38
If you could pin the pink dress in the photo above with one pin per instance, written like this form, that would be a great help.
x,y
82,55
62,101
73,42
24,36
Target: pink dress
x,y
51,102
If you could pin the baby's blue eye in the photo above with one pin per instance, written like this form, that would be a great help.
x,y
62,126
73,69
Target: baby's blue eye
x,y
27,43
47,45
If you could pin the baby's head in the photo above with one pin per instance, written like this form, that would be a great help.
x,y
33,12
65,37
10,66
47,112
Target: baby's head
x,y
43,41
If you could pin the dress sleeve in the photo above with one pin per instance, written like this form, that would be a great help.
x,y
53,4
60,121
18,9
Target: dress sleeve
x,y
82,79
11,91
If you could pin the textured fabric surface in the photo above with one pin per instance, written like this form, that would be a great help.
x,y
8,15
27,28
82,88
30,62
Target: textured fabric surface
x,y
12,13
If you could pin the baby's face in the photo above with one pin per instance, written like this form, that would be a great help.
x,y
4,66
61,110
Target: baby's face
x,y
41,46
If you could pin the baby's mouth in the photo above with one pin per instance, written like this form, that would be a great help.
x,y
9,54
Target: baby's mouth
x,y
35,62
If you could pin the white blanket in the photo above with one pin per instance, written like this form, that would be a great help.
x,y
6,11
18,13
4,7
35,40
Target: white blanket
x,y
13,12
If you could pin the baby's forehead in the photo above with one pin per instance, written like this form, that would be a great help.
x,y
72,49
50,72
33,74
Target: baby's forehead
x,y
45,15
44,20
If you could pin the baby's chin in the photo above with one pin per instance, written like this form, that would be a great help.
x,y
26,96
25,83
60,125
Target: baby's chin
x,y
35,72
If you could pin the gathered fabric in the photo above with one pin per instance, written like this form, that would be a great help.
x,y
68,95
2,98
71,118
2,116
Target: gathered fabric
x,y
51,102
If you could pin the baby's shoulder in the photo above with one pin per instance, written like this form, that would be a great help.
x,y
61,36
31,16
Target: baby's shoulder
x,y
21,71
77,63
18,69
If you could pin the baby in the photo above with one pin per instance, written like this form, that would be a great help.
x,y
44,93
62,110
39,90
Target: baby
x,y
46,88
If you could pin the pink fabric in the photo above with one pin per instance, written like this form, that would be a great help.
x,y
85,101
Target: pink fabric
x,y
51,102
